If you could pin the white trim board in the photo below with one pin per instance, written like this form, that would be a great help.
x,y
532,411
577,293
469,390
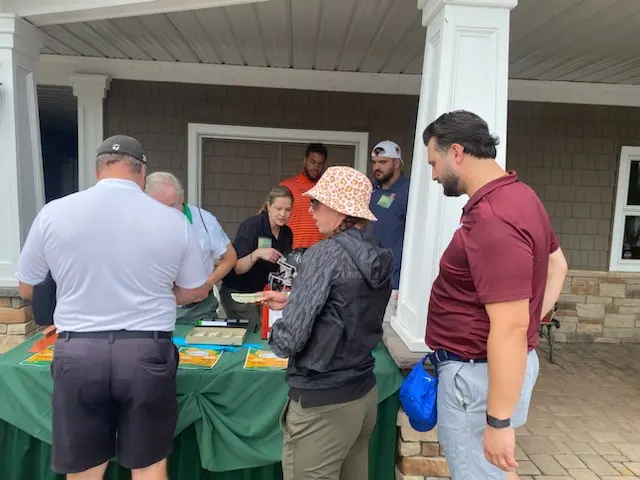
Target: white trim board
x,y
57,70
616,262
575,92
196,132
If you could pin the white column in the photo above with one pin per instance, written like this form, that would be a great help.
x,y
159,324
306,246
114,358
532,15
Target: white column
x,y
21,174
90,90
465,67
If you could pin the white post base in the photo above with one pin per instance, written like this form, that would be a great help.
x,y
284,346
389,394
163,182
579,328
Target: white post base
x,y
415,344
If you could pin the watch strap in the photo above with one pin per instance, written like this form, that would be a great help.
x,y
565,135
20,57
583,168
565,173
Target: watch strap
x,y
498,423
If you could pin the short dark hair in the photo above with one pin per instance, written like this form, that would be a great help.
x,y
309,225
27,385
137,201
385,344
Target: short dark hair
x,y
464,128
318,148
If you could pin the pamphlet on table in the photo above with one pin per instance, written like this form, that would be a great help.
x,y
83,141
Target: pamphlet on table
x,y
192,358
41,359
264,360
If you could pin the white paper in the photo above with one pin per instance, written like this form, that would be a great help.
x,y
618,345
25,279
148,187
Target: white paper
x,y
273,316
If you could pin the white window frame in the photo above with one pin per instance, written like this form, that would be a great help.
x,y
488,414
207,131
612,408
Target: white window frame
x,y
616,262
197,132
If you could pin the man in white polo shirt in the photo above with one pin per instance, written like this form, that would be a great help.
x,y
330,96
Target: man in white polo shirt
x,y
167,189
121,262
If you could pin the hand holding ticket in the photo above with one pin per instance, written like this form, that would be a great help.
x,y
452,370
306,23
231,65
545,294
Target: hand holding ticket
x,y
247,297
275,300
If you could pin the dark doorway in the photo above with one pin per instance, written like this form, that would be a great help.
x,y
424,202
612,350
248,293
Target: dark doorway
x,y
59,139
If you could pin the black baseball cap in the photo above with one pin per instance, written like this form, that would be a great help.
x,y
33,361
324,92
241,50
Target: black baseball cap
x,y
123,145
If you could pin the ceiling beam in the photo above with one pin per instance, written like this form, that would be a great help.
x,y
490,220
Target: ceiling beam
x,y
575,92
56,70
41,12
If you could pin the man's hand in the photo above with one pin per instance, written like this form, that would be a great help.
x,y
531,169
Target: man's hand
x,y
500,447
274,300
25,291
192,295
267,254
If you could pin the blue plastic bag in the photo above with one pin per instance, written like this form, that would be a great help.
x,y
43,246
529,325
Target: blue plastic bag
x,y
418,397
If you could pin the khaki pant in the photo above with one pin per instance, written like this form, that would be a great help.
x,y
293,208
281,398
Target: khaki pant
x,y
329,442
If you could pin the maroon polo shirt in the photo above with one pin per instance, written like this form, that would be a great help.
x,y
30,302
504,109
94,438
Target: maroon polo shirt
x,y
499,253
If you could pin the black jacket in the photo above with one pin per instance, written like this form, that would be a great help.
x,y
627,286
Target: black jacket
x,y
333,319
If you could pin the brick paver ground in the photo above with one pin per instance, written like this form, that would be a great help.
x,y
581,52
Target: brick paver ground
x,y
584,421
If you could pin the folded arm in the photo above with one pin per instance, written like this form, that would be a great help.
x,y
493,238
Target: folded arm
x,y
244,264
227,262
25,291
185,296
245,244
555,280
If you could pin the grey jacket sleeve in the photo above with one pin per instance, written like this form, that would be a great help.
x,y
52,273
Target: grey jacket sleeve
x,y
289,335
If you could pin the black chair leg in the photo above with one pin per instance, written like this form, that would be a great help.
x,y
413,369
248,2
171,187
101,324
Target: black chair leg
x,y
550,336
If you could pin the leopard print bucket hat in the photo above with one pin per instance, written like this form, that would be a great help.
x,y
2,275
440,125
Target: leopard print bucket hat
x,y
345,190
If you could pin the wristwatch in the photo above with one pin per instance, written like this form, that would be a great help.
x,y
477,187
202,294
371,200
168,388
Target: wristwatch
x,y
497,423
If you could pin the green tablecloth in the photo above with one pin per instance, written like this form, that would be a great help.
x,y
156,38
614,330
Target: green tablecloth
x,y
228,419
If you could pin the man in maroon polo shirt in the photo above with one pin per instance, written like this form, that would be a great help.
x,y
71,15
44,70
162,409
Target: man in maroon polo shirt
x,y
501,273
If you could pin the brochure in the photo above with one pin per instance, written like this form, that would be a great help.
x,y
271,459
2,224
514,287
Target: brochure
x,y
41,359
191,358
264,360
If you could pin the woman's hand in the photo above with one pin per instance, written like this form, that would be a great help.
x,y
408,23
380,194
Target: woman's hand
x,y
274,300
267,254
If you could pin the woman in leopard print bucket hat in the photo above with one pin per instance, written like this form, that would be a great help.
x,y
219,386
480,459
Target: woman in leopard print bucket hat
x,y
344,190
331,322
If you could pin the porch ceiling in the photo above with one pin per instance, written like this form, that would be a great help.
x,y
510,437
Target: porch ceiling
x,y
568,40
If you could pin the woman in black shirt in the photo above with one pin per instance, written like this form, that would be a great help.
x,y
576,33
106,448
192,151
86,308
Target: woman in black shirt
x,y
261,240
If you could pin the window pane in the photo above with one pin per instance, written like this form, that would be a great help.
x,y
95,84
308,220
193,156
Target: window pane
x,y
633,197
631,242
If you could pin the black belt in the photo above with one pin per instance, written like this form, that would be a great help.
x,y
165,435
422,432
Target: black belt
x,y
116,334
442,355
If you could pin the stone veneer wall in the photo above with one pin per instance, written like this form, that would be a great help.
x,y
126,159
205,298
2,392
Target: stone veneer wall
x,y
16,320
599,307
419,453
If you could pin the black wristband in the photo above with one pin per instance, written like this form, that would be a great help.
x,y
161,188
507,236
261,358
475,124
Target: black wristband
x,y
497,423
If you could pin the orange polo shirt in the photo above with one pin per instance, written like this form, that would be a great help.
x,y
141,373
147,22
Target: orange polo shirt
x,y
305,232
